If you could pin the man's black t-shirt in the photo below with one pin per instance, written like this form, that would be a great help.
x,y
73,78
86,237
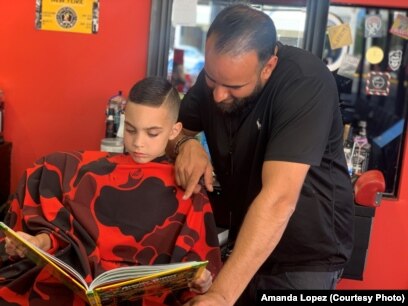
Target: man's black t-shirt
x,y
296,118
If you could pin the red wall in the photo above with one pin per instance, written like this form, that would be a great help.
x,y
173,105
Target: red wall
x,y
57,84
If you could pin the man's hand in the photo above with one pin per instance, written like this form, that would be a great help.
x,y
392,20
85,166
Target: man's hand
x,y
208,299
15,248
191,164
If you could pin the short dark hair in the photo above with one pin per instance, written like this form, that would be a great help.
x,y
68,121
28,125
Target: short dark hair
x,y
239,28
156,91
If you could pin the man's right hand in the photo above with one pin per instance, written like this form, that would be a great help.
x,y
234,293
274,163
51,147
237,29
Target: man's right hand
x,y
191,164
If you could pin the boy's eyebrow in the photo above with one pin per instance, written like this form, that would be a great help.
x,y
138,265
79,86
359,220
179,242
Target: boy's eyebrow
x,y
225,85
129,124
147,129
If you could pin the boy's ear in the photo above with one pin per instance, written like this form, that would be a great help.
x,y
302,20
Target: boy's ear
x,y
176,129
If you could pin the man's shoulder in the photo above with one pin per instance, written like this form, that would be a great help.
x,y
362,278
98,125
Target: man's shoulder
x,y
296,68
291,52
297,61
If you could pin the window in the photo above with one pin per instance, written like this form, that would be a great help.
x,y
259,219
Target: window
x,y
374,91
190,40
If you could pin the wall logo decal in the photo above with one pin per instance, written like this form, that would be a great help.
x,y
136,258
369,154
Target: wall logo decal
x,y
378,83
373,26
394,59
66,17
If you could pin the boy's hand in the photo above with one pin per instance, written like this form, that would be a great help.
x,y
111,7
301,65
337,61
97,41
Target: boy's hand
x,y
202,283
15,248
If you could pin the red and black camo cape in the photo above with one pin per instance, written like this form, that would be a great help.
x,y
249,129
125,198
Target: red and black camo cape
x,y
103,211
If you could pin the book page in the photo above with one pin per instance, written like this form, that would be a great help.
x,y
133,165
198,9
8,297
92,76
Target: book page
x,y
57,267
133,273
159,283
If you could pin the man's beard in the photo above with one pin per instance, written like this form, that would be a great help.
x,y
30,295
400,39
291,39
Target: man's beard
x,y
238,104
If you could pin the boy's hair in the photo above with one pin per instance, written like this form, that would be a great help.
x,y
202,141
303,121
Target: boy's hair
x,y
156,91
238,29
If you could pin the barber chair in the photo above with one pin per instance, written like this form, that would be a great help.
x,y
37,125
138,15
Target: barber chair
x,y
368,191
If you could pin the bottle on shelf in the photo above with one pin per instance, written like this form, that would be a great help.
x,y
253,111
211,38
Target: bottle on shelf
x,y
348,146
361,149
115,107
110,127
115,117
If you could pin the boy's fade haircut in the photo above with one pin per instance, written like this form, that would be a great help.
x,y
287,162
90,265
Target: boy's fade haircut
x,y
239,28
155,92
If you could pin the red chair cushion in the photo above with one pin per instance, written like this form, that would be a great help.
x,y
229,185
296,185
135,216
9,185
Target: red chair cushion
x,y
369,187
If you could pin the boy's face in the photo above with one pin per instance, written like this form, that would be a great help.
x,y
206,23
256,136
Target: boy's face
x,y
147,131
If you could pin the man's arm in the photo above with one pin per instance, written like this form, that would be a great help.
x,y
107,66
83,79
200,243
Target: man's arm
x,y
192,162
261,231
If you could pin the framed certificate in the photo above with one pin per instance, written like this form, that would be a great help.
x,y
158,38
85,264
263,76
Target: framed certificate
x,y
80,16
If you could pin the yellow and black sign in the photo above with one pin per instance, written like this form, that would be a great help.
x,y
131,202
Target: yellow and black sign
x,y
80,16
339,36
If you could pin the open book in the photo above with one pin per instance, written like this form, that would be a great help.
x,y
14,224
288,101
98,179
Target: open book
x,y
120,284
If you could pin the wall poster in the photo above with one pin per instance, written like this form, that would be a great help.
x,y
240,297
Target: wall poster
x,y
79,16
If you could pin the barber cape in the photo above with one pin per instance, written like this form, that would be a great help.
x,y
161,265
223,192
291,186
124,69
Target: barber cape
x,y
103,211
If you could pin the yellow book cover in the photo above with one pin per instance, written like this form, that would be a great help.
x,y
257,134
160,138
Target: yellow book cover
x,y
111,287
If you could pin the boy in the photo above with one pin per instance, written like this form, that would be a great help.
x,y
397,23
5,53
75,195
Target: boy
x,y
98,211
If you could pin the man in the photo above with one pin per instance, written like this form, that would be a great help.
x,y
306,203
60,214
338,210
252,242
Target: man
x,y
271,118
